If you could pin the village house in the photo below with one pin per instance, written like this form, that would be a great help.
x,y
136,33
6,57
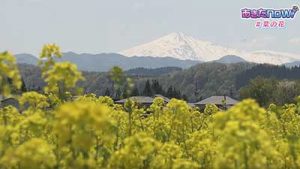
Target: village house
x,y
143,100
223,102
4,102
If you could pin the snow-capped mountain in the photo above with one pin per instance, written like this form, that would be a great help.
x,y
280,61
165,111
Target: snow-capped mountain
x,y
181,46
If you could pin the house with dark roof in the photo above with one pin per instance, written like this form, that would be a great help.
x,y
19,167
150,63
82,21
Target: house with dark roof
x,y
9,102
220,101
143,100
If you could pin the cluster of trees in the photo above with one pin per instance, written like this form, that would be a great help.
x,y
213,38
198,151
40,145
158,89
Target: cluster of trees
x,y
123,87
267,71
153,87
270,90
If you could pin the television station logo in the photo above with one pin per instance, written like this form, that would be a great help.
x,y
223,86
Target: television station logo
x,y
269,18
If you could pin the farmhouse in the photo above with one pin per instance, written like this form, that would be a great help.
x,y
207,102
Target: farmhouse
x,y
220,101
9,102
143,100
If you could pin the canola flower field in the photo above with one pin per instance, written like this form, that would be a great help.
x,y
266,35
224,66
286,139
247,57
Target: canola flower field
x,y
53,130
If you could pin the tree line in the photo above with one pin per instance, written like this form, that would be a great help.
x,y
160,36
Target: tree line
x,y
267,71
271,90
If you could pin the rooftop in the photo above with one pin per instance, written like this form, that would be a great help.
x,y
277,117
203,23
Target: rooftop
x,y
217,100
143,99
138,99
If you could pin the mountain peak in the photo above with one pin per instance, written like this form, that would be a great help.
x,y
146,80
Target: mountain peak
x,y
180,46
180,37
184,47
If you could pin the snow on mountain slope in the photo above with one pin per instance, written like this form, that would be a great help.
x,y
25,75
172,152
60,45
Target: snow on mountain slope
x,y
181,46
276,58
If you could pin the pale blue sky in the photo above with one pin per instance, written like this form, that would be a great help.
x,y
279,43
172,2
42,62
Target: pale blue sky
x,y
96,26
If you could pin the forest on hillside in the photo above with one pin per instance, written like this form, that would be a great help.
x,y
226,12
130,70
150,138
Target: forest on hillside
x,y
192,84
